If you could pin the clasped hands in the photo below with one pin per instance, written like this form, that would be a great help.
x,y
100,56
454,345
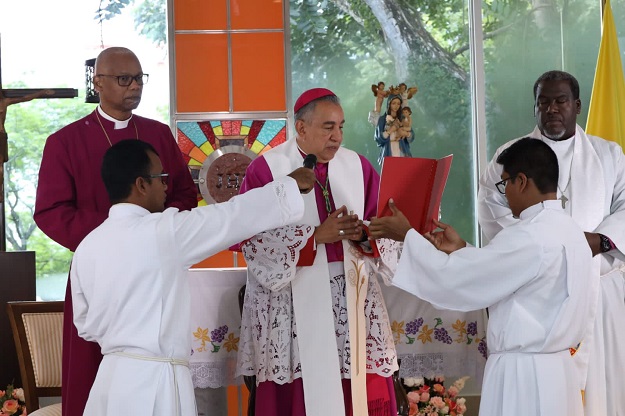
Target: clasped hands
x,y
340,225
397,226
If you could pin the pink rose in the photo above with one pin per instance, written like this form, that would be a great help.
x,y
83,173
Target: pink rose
x,y
425,397
452,391
10,407
438,388
414,397
437,402
461,409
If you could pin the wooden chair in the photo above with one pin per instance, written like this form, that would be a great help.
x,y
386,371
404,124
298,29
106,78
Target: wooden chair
x,y
38,334
250,381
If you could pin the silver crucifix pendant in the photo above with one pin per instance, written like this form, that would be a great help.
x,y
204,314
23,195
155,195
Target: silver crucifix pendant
x,y
564,200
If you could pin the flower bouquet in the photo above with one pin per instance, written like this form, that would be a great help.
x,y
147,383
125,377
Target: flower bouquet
x,y
429,397
12,402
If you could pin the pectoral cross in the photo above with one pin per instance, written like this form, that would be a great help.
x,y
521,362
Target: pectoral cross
x,y
9,97
564,200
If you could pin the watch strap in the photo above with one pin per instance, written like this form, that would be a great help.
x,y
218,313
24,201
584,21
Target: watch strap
x,y
606,244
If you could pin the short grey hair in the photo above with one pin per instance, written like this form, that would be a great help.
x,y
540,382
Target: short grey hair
x,y
303,112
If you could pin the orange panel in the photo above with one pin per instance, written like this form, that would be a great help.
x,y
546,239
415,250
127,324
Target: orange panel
x,y
201,73
256,14
200,14
258,72
221,259
233,400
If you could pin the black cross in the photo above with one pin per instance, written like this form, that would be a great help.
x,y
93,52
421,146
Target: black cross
x,y
9,97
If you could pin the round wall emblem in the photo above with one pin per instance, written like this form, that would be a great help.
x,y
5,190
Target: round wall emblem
x,y
222,173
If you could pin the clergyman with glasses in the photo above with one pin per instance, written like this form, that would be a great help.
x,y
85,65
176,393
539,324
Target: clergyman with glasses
x,y
532,276
71,197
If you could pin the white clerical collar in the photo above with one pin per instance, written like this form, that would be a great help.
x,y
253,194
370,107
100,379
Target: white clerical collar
x,y
549,140
536,208
124,209
118,124
302,152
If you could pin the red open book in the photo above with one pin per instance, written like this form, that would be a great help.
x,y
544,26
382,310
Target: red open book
x,y
416,185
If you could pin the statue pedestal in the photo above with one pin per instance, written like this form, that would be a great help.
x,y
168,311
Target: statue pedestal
x,y
17,283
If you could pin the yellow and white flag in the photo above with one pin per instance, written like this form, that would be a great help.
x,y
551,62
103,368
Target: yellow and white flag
x,y
606,114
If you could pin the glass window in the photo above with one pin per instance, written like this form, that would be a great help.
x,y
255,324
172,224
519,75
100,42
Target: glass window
x,y
526,42
347,47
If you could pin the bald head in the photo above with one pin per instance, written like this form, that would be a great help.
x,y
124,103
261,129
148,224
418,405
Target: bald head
x,y
108,58
118,80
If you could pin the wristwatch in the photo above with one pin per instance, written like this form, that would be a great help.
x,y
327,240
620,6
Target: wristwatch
x,y
606,244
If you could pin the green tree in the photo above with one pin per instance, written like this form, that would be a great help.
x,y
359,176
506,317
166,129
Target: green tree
x,y
28,125
347,45
149,16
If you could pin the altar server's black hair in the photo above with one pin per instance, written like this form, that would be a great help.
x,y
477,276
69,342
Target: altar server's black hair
x,y
123,163
535,159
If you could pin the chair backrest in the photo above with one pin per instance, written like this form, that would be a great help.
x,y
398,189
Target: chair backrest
x,y
38,334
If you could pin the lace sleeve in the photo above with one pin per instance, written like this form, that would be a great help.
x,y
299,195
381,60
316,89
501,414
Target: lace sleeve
x,y
272,255
390,251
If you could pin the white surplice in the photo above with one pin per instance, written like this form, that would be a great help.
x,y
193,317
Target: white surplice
x,y
295,315
533,277
131,294
597,203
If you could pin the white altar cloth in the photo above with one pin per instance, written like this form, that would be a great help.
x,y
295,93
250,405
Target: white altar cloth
x,y
432,342
429,342
215,325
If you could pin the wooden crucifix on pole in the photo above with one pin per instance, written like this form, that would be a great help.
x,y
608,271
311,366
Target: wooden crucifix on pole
x,y
9,97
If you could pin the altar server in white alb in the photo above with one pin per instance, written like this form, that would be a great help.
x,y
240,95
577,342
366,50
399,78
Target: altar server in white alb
x,y
592,191
129,277
533,277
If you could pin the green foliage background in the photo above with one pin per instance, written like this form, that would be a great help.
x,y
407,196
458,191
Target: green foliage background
x,y
28,126
345,46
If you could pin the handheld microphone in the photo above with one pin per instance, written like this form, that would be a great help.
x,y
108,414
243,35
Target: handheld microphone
x,y
310,161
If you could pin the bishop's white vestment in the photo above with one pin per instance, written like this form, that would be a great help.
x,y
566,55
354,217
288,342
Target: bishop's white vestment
x,y
592,180
533,277
296,319
131,294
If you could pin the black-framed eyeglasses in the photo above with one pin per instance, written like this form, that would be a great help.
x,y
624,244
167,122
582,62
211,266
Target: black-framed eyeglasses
x,y
126,80
164,177
501,185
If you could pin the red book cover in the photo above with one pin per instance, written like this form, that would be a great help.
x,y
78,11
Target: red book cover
x,y
416,185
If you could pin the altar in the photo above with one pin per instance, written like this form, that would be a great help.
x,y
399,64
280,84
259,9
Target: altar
x,y
215,325
429,342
